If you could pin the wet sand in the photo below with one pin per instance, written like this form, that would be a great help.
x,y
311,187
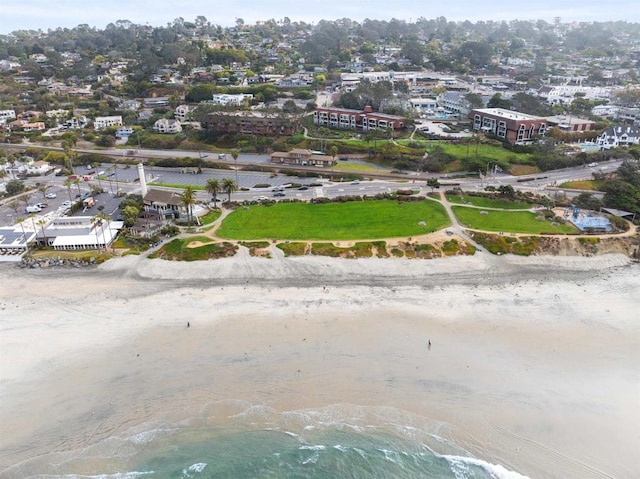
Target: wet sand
x,y
534,363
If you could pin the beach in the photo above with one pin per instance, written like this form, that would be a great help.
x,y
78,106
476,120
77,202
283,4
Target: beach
x,y
533,367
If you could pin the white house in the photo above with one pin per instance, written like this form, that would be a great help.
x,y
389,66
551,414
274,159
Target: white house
x,y
102,122
164,125
7,115
38,168
622,135
182,112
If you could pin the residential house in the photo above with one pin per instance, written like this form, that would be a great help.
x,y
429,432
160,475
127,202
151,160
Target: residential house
x,y
621,135
39,168
37,126
156,102
182,112
168,126
512,126
102,122
301,157
7,115
163,203
361,120
124,132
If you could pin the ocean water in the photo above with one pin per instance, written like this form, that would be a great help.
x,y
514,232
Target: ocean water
x,y
238,440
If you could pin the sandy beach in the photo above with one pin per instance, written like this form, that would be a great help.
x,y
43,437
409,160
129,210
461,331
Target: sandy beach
x,y
534,363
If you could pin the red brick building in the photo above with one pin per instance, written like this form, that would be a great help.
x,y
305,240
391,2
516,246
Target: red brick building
x,y
515,127
365,120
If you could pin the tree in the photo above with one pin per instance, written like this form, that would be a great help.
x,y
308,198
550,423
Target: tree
x,y
333,151
213,188
507,191
235,153
67,183
14,205
14,187
42,189
188,199
130,215
229,186
433,183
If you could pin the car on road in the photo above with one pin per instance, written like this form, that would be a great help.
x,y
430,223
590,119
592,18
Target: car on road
x,y
303,187
51,196
593,164
263,198
277,188
355,182
279,193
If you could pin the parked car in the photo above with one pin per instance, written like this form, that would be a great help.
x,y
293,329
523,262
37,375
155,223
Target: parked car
x,y
42,205
51,196
33,209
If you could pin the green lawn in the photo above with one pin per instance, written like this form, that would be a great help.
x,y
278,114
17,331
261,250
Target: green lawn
x,y
582,185
489,202
334,221
508,221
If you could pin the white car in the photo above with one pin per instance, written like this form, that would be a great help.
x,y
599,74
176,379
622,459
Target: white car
x,y
51,195
262,198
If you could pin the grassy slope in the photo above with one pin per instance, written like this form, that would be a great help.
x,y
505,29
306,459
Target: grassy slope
x,y
508,221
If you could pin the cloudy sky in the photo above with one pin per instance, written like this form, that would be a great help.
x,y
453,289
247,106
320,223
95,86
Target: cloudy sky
x,y
45,14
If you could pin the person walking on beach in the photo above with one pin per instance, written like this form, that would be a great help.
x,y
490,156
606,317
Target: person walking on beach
x,y
429,344
188,324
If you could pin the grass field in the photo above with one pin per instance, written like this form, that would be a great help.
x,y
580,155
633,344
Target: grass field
x,y
334,221
489,202
592,185
508,221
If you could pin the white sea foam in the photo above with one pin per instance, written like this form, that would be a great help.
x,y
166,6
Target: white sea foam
x,y
193,469
117,475
318,447
460,464
340,448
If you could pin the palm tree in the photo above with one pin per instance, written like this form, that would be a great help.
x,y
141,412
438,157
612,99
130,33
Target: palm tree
x,y
333,151
95,165
77,183
43,190
14,205
213,188
188,198
229,186
20,220
67,183
235,154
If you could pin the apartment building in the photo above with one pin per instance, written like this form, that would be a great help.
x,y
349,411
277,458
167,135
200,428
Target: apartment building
x,y
361,120
512,126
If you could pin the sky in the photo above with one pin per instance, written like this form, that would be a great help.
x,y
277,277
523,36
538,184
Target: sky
x,y
51,14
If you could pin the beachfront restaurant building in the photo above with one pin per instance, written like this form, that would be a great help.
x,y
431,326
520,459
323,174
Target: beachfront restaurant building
x,y
14,241
78,233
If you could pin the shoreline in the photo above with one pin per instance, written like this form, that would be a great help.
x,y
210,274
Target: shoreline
x,y
539,354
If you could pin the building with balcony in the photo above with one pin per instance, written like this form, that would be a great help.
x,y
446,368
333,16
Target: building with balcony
x,y
512,126
359,120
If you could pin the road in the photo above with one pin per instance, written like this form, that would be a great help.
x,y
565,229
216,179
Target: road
x,y
128,182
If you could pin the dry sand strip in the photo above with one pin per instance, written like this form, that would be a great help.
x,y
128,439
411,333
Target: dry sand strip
x,y
534,364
